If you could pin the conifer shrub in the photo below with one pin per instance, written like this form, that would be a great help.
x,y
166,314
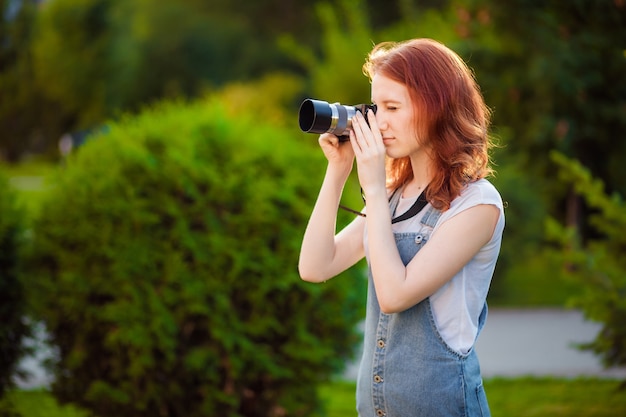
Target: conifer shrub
x,y
166,270
597,265
13,325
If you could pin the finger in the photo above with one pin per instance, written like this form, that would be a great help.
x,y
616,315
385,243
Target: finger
x,y
373,123
355,133
359,127
354,141
376,137
329,138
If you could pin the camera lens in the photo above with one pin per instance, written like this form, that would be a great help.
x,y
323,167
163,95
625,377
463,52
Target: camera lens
x,y
317,116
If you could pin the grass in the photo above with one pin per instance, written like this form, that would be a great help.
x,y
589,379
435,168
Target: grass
x,y
518,397
535,397
40,404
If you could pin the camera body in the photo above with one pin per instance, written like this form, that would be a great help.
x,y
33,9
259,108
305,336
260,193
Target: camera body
x,y
317,116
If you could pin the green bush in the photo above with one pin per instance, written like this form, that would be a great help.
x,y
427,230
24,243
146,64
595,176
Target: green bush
x,y
166,256
13,327
597,265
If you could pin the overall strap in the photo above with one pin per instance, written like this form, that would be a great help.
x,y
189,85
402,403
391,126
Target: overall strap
x,y
431,217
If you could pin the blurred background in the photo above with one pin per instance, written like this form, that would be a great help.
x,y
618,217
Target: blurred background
x,y
155,185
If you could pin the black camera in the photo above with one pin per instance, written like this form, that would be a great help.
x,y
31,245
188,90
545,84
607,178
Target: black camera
x,y
317,116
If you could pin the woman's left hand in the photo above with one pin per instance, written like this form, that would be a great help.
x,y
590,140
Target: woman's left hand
x,y
369,150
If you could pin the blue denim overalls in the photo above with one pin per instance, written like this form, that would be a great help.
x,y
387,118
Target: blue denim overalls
x,y
407,369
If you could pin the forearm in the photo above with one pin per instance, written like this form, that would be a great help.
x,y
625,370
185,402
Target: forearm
x,y
318,244
388,270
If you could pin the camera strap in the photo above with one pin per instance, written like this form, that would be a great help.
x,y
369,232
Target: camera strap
x,y
418,206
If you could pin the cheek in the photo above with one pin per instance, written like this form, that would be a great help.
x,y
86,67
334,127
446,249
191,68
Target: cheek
x,y
412,128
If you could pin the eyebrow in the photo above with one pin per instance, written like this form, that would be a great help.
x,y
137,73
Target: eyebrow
x,y
387,102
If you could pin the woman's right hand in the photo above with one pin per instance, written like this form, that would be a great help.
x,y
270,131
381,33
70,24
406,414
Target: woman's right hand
x,y
339,154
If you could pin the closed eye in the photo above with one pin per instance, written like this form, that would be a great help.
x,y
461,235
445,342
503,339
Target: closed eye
x,y
388,105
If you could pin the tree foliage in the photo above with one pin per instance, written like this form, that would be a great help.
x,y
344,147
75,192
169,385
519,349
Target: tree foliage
x,y
13,325
101,57
597,265
334,74
176,292
69,65
27,117
553,71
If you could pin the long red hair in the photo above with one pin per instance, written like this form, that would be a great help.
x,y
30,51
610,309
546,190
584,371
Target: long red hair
x,y
450,114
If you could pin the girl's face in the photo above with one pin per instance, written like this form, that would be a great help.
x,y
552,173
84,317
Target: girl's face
x,y
395,116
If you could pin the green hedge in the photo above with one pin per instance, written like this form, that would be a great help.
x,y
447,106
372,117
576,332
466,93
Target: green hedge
x,y
166,270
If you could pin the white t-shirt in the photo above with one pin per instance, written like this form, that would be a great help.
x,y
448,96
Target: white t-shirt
x,y
457,305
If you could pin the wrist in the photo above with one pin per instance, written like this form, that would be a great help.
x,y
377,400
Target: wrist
x,y
374,193
339,172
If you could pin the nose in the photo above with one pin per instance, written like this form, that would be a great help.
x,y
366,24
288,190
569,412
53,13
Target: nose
x,y
381,121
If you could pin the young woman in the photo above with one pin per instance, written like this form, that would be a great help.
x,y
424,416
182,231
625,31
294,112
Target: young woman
x,y
429,273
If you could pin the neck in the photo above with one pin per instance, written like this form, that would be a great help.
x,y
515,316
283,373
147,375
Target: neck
x,y
422,174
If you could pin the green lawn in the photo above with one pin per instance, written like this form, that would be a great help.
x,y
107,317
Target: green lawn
x,y
539,397
523,397
40,404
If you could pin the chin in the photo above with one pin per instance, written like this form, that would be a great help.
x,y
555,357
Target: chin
x,y
391,153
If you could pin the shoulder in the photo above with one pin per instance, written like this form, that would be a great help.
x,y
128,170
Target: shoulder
x,y
474,194
477,192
